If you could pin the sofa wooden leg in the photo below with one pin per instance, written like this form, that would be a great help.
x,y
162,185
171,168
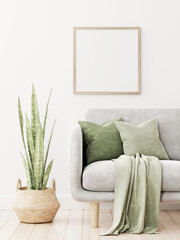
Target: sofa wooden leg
x,y
94,212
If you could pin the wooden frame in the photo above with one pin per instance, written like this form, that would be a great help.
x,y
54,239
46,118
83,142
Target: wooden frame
x,y
76,92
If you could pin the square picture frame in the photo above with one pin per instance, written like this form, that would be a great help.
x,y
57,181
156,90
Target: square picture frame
x,y
106,60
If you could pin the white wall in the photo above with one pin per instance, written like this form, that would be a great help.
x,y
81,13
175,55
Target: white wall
x,y
36,47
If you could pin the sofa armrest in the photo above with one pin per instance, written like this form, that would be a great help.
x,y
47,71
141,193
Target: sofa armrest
x,y
75,159
75,156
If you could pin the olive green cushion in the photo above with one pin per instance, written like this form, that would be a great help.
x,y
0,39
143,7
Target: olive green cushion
x,y
103,141
142,139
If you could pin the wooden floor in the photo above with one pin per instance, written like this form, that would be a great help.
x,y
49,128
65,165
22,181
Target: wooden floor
x,y
75,225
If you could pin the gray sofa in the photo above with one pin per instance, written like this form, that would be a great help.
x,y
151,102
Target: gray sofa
x,y
94,183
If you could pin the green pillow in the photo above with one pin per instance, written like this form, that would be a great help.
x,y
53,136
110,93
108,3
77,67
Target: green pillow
x,y
143,139
103,141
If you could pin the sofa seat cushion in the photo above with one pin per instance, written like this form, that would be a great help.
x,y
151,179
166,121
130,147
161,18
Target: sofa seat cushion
x,y
99,176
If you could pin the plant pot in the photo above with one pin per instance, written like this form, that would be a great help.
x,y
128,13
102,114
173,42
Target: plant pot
x,y
36,206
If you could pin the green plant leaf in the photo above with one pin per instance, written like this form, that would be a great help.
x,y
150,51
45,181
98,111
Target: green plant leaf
x,y
34,115
28,175
30,142
34,161
45,117
21,122
46,175
39,158
21,119
48,146
22,134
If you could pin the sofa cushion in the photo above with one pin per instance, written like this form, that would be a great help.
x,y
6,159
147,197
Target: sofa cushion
x,y
99,176
103,141
142,139
169,123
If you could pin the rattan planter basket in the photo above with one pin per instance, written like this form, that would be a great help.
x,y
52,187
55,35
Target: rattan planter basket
x,y
36,206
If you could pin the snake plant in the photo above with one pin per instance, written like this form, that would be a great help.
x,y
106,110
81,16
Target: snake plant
x,y
35,159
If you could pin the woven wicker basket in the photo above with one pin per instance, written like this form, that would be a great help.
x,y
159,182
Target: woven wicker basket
x,y
36,206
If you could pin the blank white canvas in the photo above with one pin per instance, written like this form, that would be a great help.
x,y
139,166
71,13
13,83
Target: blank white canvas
x,y
107,60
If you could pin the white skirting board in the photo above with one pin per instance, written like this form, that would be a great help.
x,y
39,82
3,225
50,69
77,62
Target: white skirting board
x,y
66,202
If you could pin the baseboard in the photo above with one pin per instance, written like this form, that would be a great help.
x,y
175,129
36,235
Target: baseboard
x,y
66,202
